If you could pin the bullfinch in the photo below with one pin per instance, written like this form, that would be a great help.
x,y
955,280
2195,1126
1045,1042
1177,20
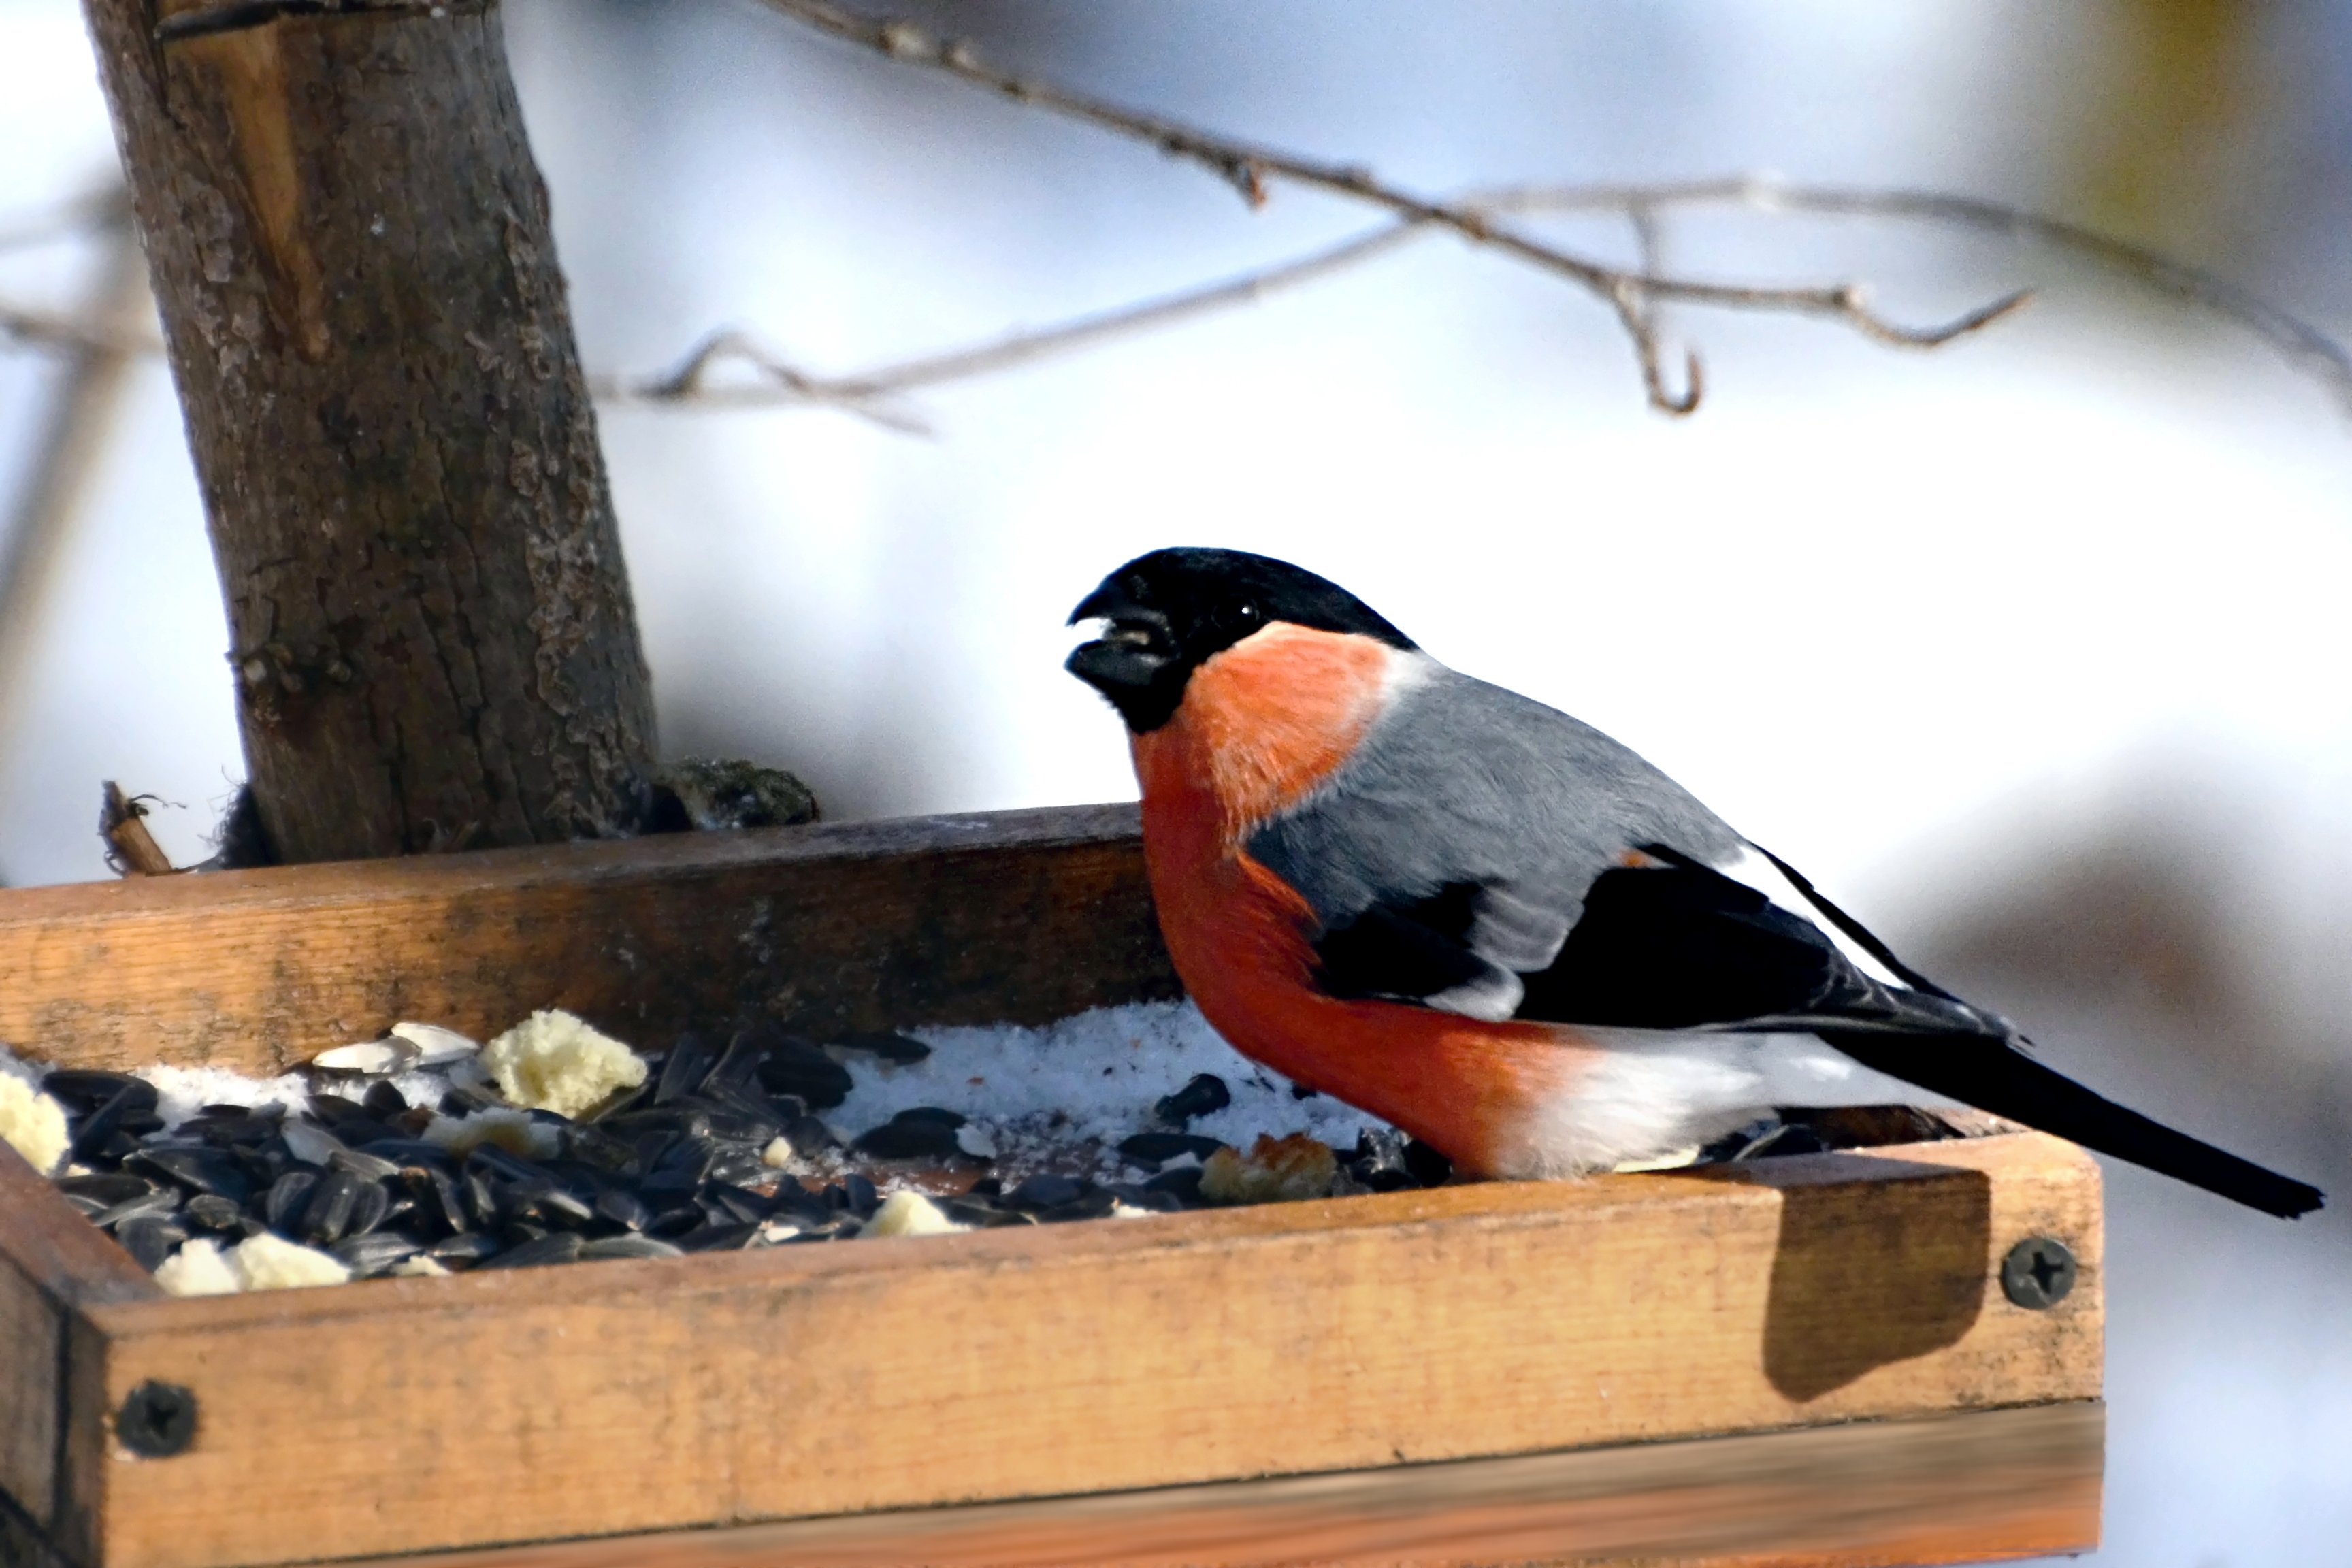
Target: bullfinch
x,y
1496,928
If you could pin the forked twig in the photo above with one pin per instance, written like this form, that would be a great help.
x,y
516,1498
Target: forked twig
x,y
1248,168
2308,348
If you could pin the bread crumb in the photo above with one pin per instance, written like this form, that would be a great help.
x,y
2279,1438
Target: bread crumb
x,y
906,1213
268,1262
1275,1170
420,1267
197,1269
516,1131
553,1061
33,1125
778,1154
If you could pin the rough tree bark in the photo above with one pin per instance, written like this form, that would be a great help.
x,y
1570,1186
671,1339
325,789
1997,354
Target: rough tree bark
x,y
433,637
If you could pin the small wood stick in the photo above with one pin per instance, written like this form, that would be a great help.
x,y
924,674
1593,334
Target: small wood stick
x,y
131,850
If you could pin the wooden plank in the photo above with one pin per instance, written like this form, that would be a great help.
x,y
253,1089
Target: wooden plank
x,y
22,1543
50,1258
32,1347
405,1416
1022,916
1969,1487
58,1251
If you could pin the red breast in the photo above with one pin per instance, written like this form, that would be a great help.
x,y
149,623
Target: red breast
x,y
1262,724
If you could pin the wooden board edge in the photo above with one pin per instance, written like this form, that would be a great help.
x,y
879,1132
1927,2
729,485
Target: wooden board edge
x,y
56,1248
52,1261
484,1431
1974,1487
661,855
1021,916
23,1543
2004,1156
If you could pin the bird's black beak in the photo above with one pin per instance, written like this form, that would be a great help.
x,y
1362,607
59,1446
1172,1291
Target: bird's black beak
x,y
1130,663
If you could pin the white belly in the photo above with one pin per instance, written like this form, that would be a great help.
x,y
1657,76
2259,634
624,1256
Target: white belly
x,y
1649,1093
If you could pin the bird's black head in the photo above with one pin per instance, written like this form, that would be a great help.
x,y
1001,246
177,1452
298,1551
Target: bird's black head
x,y
1173,609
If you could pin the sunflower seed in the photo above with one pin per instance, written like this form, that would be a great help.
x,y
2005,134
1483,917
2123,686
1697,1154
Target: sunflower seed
x,y
210,1211
366,1165
157,1203
373,1253
108,1188
684,1069
1156,1149
373,1059
463,1250
718,1238
87,1088
627,1246
1044,1191
150,1239
287,1196
435,1046
897,1050
1202,1094
328,1214
794,1066
369,1209
558,1246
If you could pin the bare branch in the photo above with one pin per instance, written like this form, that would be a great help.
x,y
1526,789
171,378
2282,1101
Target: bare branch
x,y
782,383
1634,296
778,381
2303,345
1248,168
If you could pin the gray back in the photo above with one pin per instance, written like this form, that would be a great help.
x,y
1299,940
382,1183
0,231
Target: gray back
x,y
1463,782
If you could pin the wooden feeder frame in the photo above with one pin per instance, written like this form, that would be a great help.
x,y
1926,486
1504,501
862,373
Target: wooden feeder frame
x,y
1806,1359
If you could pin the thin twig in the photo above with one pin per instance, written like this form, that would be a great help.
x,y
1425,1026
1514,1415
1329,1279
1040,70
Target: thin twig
x,y
860,391
1639,314
690,382
2304,345
1248,168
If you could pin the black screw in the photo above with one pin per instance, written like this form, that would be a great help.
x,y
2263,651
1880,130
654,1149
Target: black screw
x,y
2039,1272
157,1420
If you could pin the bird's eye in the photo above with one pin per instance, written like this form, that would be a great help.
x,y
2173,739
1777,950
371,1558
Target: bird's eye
x,y
1247,612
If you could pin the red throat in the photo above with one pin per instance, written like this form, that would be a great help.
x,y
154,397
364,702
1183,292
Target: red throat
x,y
1262,725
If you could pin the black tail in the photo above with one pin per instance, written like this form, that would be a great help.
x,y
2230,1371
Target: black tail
x,y
1996,1076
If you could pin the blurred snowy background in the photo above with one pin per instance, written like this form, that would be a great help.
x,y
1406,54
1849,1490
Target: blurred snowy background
x,y
2033,649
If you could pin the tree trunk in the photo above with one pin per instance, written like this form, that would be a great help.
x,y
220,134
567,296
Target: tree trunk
x,y
433,637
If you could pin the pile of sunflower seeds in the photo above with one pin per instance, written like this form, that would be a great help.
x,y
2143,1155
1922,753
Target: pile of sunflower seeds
x,y
385,1158
688,1162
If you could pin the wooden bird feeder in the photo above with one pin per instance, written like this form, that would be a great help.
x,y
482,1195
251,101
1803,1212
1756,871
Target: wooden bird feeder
x,y
1808,1360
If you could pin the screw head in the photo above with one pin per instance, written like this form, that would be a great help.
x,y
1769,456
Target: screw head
x,y
157,1420
2038,1273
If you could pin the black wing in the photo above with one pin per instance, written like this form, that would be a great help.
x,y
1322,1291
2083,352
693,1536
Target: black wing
x,y
1680,946
1674,946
